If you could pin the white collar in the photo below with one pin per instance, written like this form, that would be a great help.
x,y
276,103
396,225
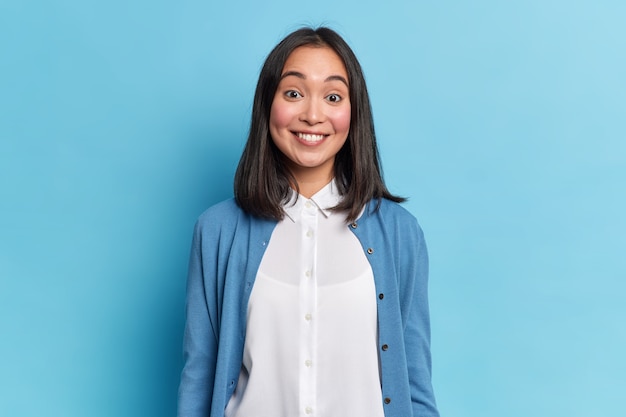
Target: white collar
x,y
325,199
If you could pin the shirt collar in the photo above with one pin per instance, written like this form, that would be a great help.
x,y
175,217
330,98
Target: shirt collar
x,y
325,199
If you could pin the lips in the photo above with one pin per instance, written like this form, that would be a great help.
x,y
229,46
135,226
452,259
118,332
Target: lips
x,y
310,137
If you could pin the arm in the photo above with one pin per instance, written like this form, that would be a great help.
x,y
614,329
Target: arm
x,y
417,330
200,339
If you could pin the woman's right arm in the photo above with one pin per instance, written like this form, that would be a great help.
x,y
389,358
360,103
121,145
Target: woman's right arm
x,y
200,338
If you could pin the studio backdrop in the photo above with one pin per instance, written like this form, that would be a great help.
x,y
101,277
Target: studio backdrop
x,y
503,122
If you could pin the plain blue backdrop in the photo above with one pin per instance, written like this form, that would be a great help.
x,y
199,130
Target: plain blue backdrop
x,y
504,122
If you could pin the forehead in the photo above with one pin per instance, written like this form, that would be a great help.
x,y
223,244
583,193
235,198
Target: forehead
x,y
319,61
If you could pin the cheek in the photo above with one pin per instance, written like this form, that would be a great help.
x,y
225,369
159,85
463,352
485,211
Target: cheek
x,y
341,120
279,116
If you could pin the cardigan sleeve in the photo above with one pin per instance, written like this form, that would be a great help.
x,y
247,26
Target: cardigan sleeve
x,y
417,330
200,338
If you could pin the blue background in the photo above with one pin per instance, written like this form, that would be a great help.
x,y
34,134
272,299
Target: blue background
x,y
504,122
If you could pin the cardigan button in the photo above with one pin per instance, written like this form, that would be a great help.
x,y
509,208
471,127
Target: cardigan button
x,y
381,296
370,250
385,347
354,225
387,400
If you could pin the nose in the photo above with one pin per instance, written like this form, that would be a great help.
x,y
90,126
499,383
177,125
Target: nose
x,y
312,112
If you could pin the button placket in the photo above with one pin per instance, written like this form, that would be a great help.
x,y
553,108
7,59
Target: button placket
x,y
308,301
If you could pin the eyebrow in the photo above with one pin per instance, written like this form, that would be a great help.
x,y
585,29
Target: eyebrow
x,y
303,77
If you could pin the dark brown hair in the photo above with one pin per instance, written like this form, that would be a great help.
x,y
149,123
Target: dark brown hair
x,y
262,178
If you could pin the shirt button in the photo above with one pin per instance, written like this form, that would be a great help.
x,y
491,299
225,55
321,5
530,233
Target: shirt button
x,y
308,410
387,400
307,273
308,317
308,363
385,347
309,233
308,204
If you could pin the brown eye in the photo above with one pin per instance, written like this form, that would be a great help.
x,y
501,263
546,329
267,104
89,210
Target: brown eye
x,y
333,98
292,94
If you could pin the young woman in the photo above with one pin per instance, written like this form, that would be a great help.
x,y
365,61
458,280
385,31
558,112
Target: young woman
x,y
307,293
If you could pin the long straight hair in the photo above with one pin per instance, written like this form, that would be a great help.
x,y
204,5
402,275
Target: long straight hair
x,y
262,180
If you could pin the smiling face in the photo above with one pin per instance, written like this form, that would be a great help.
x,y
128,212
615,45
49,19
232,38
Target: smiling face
x,y
310,114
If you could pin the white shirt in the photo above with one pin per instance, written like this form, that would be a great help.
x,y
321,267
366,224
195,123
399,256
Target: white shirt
x,y
311,335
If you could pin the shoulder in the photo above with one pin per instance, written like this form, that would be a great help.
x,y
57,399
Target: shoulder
x,y
225,210
227,218
220,217
391,214
394,210
392,219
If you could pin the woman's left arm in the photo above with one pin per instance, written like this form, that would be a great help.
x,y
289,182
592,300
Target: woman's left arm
x,y
417,329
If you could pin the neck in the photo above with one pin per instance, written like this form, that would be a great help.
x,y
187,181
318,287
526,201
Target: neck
x,y
309,189
310,183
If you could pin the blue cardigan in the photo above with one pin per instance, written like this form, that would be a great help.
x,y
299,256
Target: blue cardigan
x,y
227,248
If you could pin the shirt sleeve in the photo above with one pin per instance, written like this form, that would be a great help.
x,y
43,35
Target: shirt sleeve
x,y
200,337
417,330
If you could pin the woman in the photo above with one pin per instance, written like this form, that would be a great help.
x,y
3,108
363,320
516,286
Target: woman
x,y
307,293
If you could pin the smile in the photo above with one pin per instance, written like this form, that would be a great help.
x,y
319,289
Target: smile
x,y
310,137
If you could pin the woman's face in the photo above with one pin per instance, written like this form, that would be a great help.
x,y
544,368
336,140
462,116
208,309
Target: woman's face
x,y
310,114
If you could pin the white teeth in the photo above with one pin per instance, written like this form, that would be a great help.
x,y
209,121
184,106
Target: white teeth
x,y
310,138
